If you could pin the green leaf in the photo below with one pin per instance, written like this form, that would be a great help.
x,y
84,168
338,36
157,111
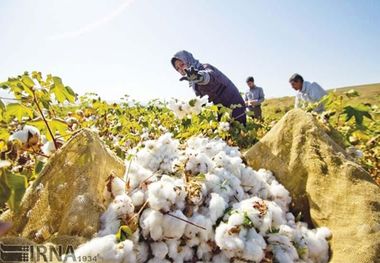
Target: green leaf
x,y
2,106
5,191
247,222
61,92
357,113
17,184
27,81
123,233
54,125
192,102
19,110
200,177
38,167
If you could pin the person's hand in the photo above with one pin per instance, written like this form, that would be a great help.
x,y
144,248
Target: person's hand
x,y
254,102
192,75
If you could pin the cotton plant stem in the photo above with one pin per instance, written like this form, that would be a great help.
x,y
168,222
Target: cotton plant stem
x,y
43,117
138,213
186,221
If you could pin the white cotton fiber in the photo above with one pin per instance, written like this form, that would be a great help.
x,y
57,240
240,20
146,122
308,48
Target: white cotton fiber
x,y
159,249
23,134
138,198
105,249
174,228
120,207
217,206
151,224
161,195
198,202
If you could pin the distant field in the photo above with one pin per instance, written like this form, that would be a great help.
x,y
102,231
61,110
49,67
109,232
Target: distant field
x,y
275,108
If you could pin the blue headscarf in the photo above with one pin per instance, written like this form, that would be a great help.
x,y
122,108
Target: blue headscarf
x,y
188,59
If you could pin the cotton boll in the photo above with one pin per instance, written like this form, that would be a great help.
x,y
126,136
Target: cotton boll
x,y
142,252
317,244
48,148
117,186
257,218
138,198
122,204
225,184
196,192
236,219
158,260
323,233
114,186
151,223
217,206
105,249
181,109
199,163
197,233
120,207
280,195
204,252
25,134
174,228
231,164
149,158
220,258
159,249
179,253
162,195
94,247
227,239
180,189
232,151
277,214
159,154
136,174
266,175
224,126
254,247
282,248
291,220
286,230
254,183
129,255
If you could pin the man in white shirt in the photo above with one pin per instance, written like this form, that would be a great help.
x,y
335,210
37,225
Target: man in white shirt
x,y
307,93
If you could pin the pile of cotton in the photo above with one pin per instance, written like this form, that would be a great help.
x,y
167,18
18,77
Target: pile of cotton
x,y
198,202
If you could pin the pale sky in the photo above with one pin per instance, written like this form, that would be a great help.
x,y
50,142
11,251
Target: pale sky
x,y
117,47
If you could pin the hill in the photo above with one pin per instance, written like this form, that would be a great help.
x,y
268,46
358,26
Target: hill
x,y
275,108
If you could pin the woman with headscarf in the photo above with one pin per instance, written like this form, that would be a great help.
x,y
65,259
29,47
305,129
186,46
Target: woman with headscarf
x,y
206,79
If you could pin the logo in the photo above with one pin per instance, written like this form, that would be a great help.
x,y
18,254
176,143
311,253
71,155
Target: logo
x,y
40,253
14,253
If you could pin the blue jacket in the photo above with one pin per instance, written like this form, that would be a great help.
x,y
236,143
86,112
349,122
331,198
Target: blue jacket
x,y
216,85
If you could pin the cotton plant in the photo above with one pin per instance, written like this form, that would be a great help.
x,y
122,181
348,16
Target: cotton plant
x,y
198,201
182,109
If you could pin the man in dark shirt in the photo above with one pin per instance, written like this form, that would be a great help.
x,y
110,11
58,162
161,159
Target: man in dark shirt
x,y
253,98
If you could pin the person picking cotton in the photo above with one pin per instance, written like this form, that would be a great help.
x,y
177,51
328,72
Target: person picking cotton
x,y
307,93
206,79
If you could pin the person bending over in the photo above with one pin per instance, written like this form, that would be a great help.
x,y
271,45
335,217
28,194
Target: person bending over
x,y
307,93
205,79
